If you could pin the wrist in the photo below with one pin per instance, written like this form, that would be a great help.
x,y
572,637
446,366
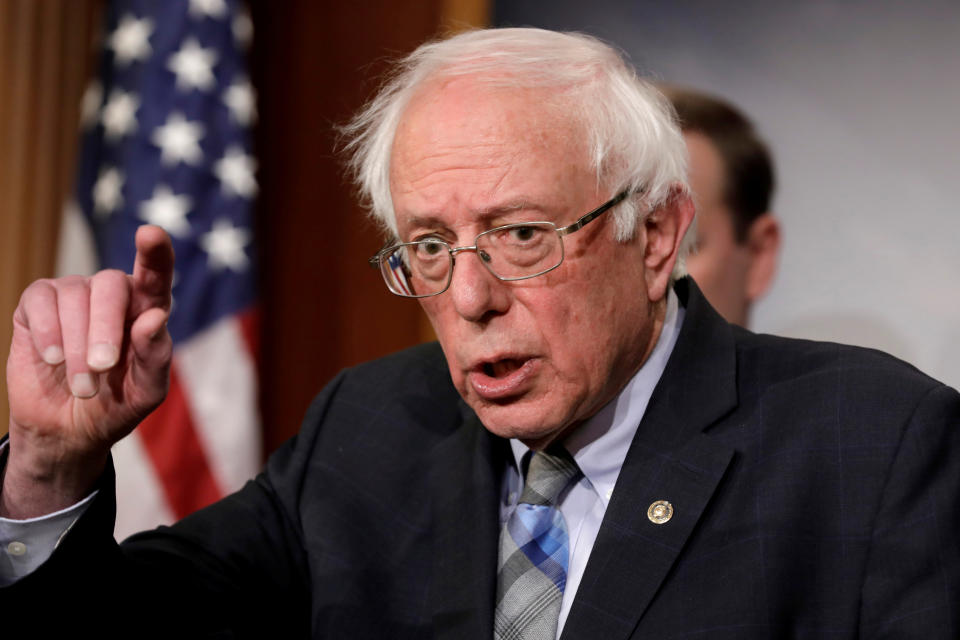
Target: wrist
x,y
40,480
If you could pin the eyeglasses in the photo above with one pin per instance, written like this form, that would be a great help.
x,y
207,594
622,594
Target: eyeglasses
x,y
512,252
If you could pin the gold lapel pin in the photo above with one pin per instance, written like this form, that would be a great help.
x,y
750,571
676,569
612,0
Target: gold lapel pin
x,y
660,512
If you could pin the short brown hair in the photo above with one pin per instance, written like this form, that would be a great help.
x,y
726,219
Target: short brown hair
x,y
749,183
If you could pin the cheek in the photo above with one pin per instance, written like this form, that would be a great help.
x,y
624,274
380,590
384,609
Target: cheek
x,y
698,266
441,319
710,264
432,311
583,321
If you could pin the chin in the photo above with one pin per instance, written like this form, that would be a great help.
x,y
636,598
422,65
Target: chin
x,y
531,427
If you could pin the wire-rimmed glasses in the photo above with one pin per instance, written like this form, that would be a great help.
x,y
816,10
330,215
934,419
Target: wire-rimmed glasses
x,y
516,251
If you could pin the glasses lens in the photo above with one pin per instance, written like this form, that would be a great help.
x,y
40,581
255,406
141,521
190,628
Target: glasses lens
x,y
521,250
417,269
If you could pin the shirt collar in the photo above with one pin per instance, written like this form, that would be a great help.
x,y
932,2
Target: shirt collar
x,y
600,445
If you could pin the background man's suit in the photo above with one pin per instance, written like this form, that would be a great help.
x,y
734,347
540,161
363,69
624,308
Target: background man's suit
x,y
816,493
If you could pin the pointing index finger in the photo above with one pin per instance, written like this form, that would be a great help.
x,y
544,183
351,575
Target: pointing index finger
x,y
152,269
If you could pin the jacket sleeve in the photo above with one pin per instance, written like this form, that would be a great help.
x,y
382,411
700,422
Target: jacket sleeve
x,y
234,569
911,586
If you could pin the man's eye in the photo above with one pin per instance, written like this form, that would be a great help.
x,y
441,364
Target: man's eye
x,y
524,234
430,248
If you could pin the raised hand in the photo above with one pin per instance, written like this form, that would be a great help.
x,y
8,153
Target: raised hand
x,y
89,360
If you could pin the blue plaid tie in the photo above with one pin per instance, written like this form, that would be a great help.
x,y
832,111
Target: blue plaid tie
x,y
534,553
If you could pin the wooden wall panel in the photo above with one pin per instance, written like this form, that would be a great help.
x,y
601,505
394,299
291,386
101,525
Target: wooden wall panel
x,y
45,53
314,64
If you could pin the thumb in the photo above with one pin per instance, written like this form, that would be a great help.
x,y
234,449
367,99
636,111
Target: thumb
x,y
152,276
152,349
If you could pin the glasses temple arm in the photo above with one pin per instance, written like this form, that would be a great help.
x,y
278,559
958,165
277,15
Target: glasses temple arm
x,y
579,224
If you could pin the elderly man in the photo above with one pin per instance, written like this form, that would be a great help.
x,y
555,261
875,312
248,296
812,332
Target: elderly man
x,y
591,451
731,174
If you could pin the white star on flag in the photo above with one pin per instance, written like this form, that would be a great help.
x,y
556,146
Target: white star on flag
x,y
193,66
212,8
235,170
241,100
224,245
168,210
90,104
119,115
243,29
107,192
131,40
179,140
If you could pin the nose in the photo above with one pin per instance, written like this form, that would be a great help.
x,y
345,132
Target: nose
x,y
477,294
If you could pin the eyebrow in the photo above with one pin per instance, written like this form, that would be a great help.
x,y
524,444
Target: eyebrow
x,y
430,220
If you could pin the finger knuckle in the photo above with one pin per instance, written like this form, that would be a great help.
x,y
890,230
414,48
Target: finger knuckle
x,y
35,296
72,285
109,278
35,288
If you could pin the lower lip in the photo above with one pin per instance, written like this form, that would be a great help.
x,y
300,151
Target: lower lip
x,y
503,387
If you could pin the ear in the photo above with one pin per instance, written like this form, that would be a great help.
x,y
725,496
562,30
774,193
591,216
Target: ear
x,y
664,229
763,245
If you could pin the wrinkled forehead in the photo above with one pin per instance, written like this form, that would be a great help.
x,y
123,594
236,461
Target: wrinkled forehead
x,y
468,125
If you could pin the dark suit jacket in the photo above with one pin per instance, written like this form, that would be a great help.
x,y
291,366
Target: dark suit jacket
x,y
814,486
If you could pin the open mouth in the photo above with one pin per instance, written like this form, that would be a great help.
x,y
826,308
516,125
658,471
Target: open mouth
x,y
502,368
503,379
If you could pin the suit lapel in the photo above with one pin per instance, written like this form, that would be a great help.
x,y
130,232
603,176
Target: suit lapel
x,y
467,469
670,459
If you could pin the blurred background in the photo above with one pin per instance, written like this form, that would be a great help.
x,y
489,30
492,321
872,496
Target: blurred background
x,y
858,101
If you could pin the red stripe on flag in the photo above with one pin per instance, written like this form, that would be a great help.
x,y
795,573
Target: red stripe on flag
x,y
178,457
249,321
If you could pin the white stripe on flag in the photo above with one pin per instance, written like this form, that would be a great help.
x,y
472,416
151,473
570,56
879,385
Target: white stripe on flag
x,y
76,253
141,503
220,383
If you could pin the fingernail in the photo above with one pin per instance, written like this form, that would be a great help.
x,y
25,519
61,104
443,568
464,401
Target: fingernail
x,y
102,356
53,354
82,386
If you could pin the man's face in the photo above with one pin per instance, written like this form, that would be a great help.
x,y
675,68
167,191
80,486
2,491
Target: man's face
x,y
532,357
720,265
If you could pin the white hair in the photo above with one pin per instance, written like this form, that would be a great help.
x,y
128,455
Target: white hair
x,y
633,140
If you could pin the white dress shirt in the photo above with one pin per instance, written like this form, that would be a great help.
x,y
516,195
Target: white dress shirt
x,y
599,448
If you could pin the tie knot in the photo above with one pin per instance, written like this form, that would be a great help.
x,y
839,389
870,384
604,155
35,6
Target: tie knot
x,y
548,474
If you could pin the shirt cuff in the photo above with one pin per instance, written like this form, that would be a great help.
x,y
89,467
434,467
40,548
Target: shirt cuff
x,y
27,544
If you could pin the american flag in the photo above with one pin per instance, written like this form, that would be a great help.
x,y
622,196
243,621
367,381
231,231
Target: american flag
x,y
166,140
